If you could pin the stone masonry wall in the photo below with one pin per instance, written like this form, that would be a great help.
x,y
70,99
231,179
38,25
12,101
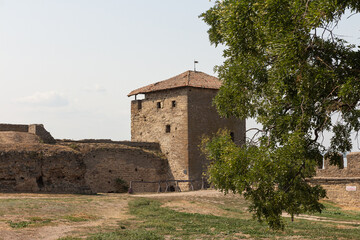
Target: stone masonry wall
x,y
344,191
14,128
40,131
342,185
78,167
150,118
42,170
105,166
177,119
37,129
352,169
205,120
144,145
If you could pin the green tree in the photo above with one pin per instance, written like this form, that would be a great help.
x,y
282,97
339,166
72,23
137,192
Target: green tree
x,y
286,68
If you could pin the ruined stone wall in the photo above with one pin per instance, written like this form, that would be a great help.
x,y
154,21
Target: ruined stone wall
x,y
144,145
40,131
37,129
105,165
162,117
342,185
344,191
78,167
352,169
36,169
14,128
205,120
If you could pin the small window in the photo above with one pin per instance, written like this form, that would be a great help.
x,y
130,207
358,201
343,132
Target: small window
x,y
173,103
321,164
232,135
158,104
167,129
139,104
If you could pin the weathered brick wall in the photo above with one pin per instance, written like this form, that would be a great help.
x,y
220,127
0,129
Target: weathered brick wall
x,y
14,127
205,120
78,167
344,191
37,129
40,131
42,170
352,169
144,145
149,123
189,114
106,165
342,185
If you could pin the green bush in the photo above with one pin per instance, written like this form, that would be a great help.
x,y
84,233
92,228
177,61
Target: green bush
x,y
121,185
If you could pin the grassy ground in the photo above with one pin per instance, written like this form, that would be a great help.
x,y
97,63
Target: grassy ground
x,y
197,215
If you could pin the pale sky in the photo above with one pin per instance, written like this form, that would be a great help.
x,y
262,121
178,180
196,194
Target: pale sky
x,y
69,64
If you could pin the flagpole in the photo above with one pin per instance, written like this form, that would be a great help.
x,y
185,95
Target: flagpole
x,y
195,62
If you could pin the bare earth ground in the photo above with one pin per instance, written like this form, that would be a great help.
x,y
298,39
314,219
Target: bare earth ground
x,y
92,211
60,215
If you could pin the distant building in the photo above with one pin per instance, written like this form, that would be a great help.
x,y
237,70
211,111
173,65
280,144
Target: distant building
x,y
176,113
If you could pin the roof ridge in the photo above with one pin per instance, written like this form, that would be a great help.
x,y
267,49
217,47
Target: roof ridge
x,y
185,79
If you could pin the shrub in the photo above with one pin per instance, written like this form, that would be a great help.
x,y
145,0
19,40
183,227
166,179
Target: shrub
x,y
121,185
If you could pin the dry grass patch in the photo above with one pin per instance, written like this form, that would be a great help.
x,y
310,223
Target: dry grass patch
x,y
186,215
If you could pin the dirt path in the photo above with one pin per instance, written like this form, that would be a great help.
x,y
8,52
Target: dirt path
x,y
200,193
320,219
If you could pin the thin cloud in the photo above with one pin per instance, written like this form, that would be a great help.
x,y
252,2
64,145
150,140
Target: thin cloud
x,y
96,88
47,99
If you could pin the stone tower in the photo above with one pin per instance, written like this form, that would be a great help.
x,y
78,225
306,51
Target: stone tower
x,y
176,113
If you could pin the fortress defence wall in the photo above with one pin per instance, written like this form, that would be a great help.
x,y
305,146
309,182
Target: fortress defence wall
x,y
144,145
352,169
177,119
344,191
28,170
162,117
78,168
14,127
37,129
105,166
342,185
40,131
200,104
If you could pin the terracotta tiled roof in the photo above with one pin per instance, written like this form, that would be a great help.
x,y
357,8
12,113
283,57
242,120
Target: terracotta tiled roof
x,y
186,79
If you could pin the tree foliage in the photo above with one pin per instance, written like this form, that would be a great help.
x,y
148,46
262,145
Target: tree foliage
x,y
286,68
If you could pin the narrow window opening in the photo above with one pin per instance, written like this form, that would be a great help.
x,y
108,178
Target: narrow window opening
x,y
158,104
341,163
40,182
173,103
168,128
139,104
321,164
232,135
345,161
